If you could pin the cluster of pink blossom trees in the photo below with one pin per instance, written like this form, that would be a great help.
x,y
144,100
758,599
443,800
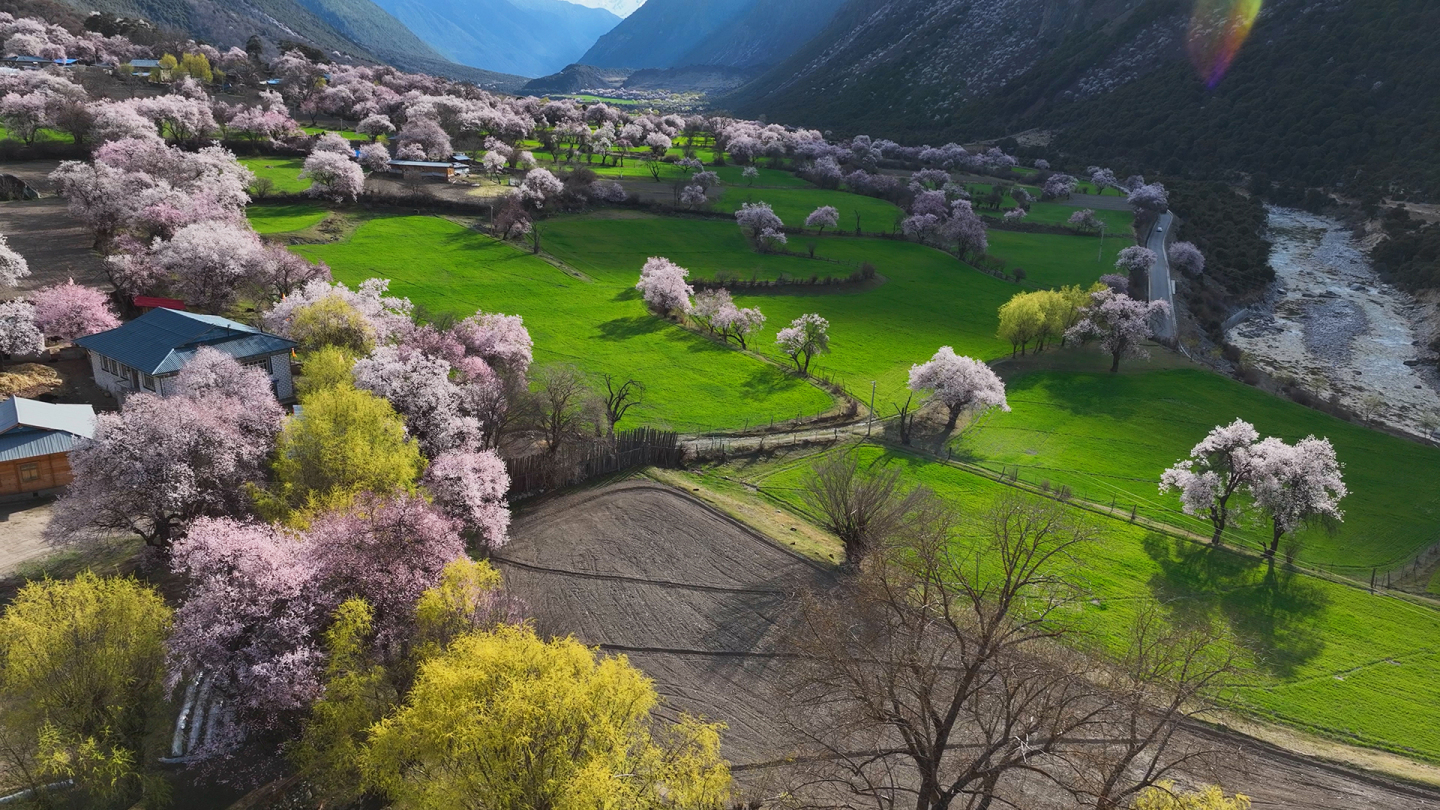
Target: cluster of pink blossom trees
x,y
159,464
937,220
173,220
64,311
718,313
32,36
1290,484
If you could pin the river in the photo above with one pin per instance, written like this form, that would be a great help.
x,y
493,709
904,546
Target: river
x,y
1337,327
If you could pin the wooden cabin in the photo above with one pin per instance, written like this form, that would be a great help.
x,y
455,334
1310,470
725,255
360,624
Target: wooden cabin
x,y
35,443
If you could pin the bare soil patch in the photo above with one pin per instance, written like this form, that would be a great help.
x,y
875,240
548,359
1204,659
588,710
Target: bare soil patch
x,y
699,602
54,243
692,597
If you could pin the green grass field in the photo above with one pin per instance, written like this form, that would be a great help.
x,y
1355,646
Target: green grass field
x,y
348,134
283,172
1109,435
285,218
1055,260
598,322
42,135
929,298
1117,223
1320,656
1330,658
1079,426
635,169
793,205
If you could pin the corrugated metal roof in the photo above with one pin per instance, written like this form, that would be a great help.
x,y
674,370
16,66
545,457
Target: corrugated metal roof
x,y
30,428
20,412
152,301
33,443
162,340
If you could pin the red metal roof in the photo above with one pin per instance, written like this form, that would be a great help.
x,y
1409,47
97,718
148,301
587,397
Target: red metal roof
x,y
154,302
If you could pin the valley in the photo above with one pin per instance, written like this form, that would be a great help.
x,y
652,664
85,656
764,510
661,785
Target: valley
x,y
717,407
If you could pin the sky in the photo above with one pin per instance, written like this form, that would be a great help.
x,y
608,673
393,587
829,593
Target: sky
x,y
622,8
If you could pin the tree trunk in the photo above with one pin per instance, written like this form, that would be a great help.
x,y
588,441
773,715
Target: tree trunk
x,y
954,416
1115,364
1274,541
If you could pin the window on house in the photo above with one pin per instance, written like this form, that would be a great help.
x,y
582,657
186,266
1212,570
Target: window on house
x,y
148,382
262,364
29,472
110,366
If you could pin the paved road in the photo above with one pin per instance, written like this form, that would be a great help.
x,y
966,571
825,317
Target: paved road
x,y
1160,275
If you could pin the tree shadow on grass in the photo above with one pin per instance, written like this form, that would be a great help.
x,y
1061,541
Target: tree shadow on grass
x,y
1276,614
1079,393
765,382
627,328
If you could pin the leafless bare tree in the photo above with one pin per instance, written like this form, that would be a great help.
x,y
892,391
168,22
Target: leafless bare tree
x,y
947,674
906,413
620,398
1164,678
861,506
562,405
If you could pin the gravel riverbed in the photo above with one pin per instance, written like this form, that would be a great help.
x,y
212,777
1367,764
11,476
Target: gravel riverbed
x,y
1337,327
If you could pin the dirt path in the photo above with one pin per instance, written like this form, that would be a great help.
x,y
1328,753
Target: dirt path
x,y
698,601
21,525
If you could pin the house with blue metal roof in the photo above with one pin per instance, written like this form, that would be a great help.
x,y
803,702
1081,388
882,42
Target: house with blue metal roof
x,y
35,442
145,354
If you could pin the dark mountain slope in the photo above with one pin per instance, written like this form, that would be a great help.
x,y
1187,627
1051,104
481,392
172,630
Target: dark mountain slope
x,y
764,35
526,37
661,32
724,33
1324,93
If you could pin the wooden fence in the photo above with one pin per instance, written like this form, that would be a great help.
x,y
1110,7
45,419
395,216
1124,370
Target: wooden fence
x,y
642,447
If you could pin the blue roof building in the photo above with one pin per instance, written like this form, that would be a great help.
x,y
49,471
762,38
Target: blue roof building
x,y
35,440
145,354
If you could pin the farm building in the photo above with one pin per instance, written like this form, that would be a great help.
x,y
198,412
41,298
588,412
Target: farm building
x,y
145,354
35,442
427,168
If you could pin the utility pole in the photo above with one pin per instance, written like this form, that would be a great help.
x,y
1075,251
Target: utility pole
x,y
871,421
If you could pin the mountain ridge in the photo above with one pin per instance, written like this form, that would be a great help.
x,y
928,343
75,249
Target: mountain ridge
x,y
523,37
1323,94
745,34
347,29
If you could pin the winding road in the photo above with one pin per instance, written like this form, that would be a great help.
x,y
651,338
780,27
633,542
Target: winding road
x,y
1160,284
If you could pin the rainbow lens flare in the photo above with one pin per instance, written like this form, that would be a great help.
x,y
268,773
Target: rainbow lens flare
x,y
1217,30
